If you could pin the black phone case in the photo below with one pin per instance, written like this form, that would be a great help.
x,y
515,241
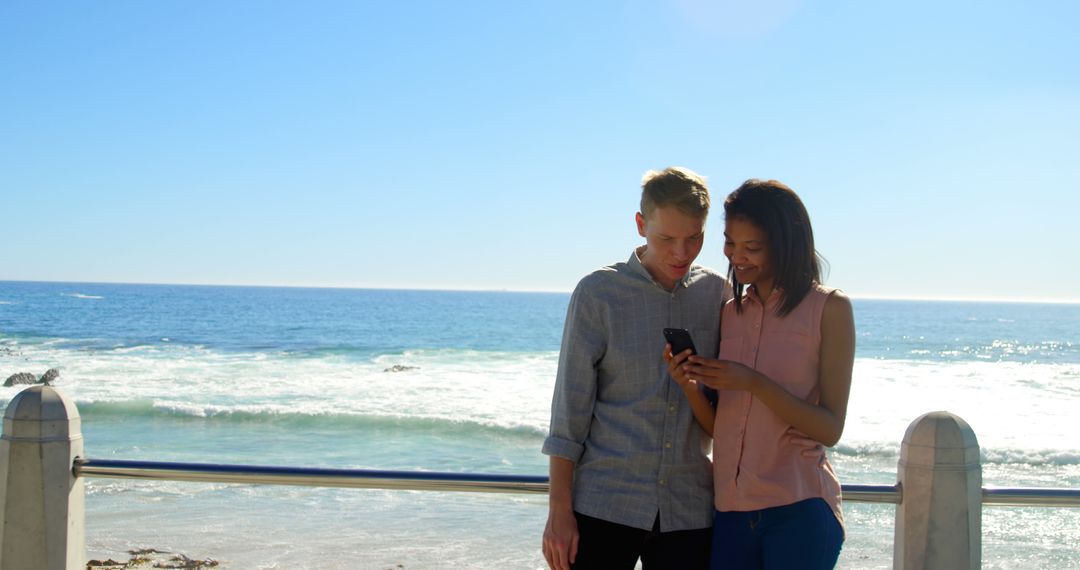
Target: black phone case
x,y
680,340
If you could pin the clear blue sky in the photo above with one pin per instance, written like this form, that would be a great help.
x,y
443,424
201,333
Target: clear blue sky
x,y
499,145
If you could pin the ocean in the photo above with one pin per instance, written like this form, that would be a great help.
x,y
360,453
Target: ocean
x,y
461,382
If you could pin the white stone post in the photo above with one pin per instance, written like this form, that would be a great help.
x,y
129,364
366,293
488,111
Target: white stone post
x,y
41,501
939,520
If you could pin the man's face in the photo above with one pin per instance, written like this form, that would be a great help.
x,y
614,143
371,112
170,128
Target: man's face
x,y
673,240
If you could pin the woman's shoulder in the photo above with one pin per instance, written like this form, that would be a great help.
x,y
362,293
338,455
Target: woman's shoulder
x,y
830,294
837,305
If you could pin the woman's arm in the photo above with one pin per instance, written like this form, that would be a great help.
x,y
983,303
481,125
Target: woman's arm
x,y
824,421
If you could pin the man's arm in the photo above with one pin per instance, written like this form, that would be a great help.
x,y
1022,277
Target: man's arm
x,y
583,345
561,532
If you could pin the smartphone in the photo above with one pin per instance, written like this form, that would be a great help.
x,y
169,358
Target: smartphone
x,y
680,340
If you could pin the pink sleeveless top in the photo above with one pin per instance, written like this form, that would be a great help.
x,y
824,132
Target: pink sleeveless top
x,y
753,468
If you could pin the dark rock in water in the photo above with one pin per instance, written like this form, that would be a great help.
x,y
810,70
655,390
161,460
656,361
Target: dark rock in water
x,y
50,375
151,558
181,561
20,378
109,564
401,368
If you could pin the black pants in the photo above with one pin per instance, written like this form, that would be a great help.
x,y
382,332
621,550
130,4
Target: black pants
x,y
606,545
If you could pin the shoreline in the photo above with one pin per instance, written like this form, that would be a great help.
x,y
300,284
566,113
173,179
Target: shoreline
x,y
151,558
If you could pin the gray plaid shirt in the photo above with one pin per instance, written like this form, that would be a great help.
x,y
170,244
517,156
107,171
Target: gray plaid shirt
x,y
617,414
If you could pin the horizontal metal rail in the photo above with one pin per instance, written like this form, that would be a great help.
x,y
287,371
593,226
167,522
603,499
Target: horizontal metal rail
x,y
441,481
1037,496
871,493
310,477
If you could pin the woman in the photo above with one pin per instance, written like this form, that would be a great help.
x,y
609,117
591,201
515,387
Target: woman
x,y
786,352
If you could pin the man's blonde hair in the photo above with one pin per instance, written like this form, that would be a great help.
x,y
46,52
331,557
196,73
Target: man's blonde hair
x,y
675,186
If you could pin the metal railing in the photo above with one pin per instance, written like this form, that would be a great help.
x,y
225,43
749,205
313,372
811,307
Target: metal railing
x,y
310,477
1027,496
487,483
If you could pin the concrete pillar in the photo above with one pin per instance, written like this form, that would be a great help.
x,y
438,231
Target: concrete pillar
x,y
42,515
939,520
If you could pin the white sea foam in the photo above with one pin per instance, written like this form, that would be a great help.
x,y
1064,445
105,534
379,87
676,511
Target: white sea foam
x,y
509,390
81,296
1011,406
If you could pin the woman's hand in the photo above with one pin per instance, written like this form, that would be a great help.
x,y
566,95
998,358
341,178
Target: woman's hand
x,y
809,447
721,374
703,410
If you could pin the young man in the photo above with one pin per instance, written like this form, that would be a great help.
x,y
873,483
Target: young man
x,y
630,475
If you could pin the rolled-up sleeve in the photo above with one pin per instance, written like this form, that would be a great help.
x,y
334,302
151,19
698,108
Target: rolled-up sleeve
x,y
583,345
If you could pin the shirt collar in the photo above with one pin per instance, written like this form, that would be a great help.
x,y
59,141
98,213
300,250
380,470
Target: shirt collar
x,y
750,296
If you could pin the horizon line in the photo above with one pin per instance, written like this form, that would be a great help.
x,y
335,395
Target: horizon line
x,y
860,296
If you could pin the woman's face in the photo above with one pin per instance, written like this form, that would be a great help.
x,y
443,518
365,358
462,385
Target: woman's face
x,y
747,249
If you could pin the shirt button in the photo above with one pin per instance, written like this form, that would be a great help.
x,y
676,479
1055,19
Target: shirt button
x,y
671,408
667,445
663,481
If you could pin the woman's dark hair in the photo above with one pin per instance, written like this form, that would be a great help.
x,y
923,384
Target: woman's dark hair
x,y
778,211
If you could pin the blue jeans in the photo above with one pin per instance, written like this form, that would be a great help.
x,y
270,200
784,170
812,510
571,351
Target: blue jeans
x,y
803,535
